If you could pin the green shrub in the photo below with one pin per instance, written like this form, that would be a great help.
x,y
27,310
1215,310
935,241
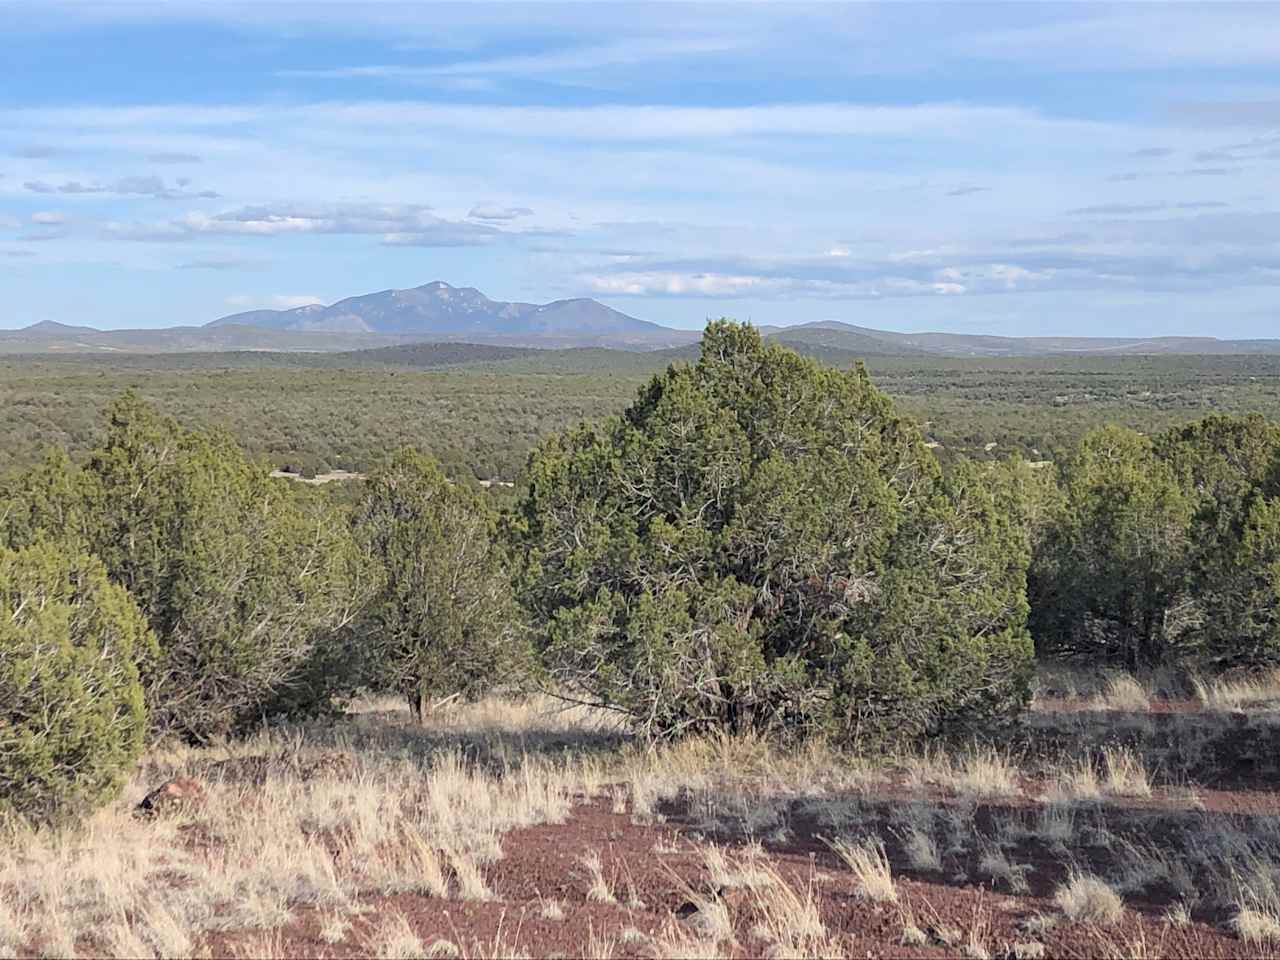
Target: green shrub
x,y
244,581
71,707
1165,551
1112,567
758,542
240,583
442,620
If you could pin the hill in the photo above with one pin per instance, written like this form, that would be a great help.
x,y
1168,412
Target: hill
x,y
871,342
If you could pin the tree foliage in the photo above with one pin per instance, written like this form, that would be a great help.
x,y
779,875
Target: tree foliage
x,y
1165,550
72,718
442,619
759,542
239,580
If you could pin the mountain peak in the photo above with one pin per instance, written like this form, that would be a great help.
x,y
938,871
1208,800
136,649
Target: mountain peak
x,y
440,311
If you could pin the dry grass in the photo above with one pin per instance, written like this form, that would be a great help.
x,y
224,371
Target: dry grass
x,y
394,939
789,919
598,886
1122,694
551,910
471,882
1257,692
870,866
980,771
997,866
1088,899
287,844
921,850
1124,773
425,809
748,871
334,928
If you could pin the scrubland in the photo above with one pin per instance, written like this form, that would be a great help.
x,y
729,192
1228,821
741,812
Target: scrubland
x,y
1116,820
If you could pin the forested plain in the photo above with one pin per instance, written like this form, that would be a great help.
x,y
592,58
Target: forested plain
x,y
747,574
480,411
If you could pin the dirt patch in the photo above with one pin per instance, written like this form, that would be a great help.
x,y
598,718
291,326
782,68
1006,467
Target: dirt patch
x,y
545,902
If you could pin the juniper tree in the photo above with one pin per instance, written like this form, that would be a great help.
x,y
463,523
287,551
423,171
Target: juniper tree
x,y
72,718
760,542
442,620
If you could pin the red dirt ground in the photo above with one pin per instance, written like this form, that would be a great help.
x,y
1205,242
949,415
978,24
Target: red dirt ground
x,y
543,863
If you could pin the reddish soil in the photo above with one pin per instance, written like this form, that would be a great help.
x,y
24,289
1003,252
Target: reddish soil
x,y
652,868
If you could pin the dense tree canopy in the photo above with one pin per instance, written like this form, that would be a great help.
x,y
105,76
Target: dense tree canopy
x,y
1165,550
760,542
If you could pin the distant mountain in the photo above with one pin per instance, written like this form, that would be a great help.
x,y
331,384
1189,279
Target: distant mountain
x,y
438,311
437,315
847,336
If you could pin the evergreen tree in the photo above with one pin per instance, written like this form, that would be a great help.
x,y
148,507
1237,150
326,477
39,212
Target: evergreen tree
x,y
72,718
442,619
759,542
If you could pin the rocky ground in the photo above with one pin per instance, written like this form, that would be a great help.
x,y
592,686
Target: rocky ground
x,y
1115,823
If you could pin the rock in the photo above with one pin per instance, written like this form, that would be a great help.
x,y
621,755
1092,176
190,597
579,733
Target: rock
x,y
182,793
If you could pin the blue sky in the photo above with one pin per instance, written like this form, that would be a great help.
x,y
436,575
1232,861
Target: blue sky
x,y
1010,168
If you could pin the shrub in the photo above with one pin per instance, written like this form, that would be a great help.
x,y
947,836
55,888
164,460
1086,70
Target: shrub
x,y
1230,470
239,582
442,619
758,542
1165,550
71,708
1110,571
244,582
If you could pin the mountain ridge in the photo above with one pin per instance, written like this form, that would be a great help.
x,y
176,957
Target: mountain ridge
x,y
439,313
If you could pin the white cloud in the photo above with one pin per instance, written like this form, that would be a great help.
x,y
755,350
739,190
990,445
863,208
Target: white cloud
x,y
48,217
678,284
398,224
282,301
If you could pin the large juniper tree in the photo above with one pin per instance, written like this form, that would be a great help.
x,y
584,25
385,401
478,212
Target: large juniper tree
x,y
759,542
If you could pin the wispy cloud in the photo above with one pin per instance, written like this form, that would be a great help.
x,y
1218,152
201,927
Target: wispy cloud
x,y
628,52
280,301
394,224
144,186
1107,209
173,157
488,211
35,151
223,263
